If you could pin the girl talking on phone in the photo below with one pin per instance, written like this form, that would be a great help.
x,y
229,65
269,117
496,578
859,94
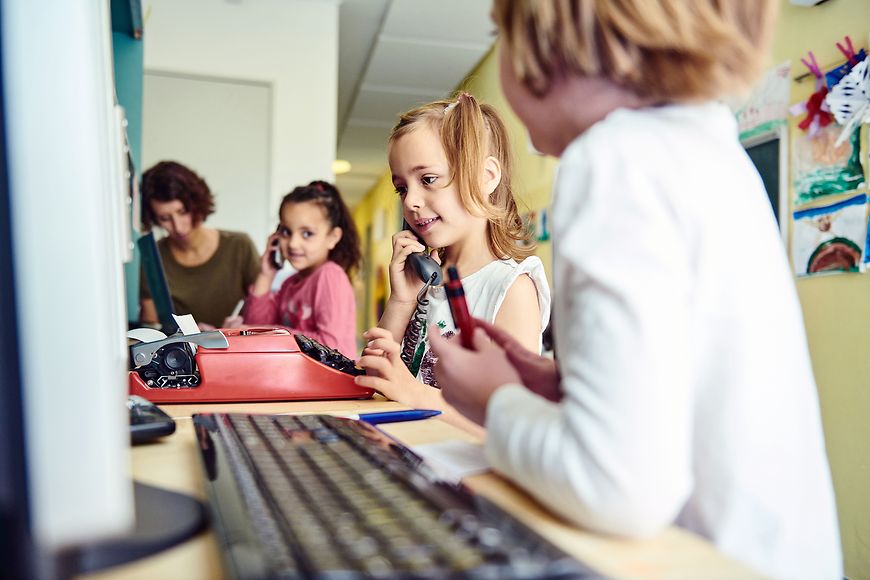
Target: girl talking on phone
x,y
318,237
451,168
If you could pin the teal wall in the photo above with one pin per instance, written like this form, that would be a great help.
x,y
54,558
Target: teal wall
x,y
128,59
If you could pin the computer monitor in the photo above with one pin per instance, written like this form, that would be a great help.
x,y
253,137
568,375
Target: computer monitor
x,y
155,277
64,434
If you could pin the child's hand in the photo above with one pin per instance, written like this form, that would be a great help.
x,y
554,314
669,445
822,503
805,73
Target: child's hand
x,y
404,281
468,378
267,269
538,373
385,371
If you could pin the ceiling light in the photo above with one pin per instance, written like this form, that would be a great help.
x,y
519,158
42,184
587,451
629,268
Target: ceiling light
x,y
340,166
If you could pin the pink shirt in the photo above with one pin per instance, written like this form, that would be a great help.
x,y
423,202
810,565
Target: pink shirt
x,y
320,306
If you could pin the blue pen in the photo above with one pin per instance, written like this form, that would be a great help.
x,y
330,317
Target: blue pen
x,y
395,416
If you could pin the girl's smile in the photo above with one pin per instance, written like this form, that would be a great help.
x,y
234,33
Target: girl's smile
x,y
424,225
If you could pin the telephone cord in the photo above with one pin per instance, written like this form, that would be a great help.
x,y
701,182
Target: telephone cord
x,y
415,325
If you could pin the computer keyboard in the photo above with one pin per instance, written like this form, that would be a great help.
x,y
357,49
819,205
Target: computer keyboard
x,y
316,496
328,356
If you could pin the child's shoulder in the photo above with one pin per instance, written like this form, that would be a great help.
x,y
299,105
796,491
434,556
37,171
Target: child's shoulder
x,y
655,122
507,270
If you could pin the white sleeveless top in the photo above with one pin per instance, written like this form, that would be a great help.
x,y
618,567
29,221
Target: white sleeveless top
x,y
484,292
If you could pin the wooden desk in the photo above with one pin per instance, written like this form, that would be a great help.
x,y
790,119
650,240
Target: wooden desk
x,y
174,463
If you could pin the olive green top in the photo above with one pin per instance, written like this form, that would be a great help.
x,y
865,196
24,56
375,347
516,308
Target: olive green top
x,y
211,290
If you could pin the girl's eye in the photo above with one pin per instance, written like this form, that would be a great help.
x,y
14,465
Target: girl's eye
x,y
284,232
307,235
401,189
429,179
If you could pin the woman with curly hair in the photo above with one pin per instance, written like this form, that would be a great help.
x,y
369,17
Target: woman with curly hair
x,y
208,270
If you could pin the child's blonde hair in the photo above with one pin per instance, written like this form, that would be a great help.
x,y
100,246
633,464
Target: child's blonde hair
x,y
471,132
667,50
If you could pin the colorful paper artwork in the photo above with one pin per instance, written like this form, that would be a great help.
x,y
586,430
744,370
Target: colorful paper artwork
x,y
767,106
536,224
820,168
830,238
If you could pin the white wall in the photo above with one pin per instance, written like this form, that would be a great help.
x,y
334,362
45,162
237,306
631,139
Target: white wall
x,y
234,157
290,44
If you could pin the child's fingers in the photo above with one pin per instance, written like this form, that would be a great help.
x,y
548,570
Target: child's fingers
x,y
380,385
481,341
372,352
404,236
377,332
497,334
379,365
389,346
440,345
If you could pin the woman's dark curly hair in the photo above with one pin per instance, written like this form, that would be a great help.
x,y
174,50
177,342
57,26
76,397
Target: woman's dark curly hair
x,y
170,181
346,252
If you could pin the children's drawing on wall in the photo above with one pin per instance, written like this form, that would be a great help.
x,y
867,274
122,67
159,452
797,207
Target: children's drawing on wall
x,y
815,111
543,228
849,100
536,224
830,238
822,168
767,106
529,225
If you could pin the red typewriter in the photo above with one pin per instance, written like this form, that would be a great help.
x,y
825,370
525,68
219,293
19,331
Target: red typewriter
x,y
232,365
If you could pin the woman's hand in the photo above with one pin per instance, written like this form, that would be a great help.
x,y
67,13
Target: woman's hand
x,y
538,373
404,281
387,374
468,378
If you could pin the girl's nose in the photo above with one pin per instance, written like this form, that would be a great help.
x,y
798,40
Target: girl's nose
x,y
413,199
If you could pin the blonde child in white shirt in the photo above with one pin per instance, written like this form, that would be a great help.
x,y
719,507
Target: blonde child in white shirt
x,y
451,166
683,393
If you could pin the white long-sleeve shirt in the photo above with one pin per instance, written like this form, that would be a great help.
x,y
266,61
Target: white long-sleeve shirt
x,y
689,398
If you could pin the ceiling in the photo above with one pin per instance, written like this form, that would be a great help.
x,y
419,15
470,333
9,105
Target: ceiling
x,y
393,56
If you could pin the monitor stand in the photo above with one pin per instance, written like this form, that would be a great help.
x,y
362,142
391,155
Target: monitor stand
x,y
163,519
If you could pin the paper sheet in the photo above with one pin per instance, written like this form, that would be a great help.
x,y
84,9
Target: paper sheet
x,y
453,460
187,325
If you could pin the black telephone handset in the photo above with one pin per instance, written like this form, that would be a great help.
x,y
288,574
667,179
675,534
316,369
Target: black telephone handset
x,y
276,258
424,265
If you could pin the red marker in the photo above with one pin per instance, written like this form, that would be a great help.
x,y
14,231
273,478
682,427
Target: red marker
x,y
459,308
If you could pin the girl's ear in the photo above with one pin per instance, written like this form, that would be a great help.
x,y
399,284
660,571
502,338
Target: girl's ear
x,y
491,175
333,237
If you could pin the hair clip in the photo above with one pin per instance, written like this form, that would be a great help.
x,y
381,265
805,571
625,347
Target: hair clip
x,y
462,95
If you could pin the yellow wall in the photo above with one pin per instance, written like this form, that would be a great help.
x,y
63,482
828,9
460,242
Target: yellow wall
x,y
836,308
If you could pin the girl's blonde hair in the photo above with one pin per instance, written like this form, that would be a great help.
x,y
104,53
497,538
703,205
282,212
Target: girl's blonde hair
x,y
665,50
471,132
